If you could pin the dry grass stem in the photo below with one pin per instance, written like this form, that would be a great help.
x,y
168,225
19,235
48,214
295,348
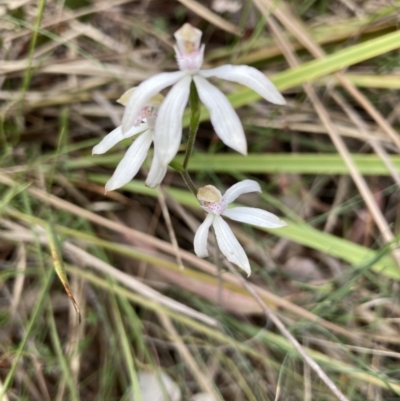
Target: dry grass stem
x,y
204,382
286,333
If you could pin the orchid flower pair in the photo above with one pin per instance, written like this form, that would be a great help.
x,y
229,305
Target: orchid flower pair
x,y
159,120
166,120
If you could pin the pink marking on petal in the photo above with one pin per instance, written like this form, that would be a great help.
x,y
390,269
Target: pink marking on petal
x,y
145,114
216,208
190,61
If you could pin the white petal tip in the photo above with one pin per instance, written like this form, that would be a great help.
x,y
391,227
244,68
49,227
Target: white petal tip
x,y
151,185
156,174
242,149
96,151
247,270
110,186
275,225
279,100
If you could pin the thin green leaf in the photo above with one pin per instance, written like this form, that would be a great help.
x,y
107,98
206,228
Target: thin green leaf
x,y
59,265
324,163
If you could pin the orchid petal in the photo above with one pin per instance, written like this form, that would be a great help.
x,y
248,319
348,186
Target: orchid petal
x,y
144,92
201,237
156,174
254,216
223,117
116,136
154,101
247,76
168,128
131,162
242,187
229,245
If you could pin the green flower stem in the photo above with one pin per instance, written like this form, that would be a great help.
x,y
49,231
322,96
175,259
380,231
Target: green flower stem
x,y
188,181
185,175
194,122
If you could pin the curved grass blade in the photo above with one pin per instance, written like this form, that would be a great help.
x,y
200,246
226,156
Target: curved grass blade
x,y
59,265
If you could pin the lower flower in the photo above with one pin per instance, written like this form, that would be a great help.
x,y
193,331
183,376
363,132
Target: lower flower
x,y
216,206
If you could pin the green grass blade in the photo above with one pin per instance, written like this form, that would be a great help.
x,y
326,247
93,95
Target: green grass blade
x,y
127,351
28,330
66,373
58,264
324,163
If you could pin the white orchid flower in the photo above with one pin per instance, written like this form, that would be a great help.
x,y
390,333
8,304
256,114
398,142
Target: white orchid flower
x,y
143,126
217,206
168,127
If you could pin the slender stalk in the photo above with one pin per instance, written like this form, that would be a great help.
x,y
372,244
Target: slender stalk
x,y
194,123
194,126
286,333
188,181
185,175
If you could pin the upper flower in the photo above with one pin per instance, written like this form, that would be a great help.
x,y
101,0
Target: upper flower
x,y
137,152
168,126
216,205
